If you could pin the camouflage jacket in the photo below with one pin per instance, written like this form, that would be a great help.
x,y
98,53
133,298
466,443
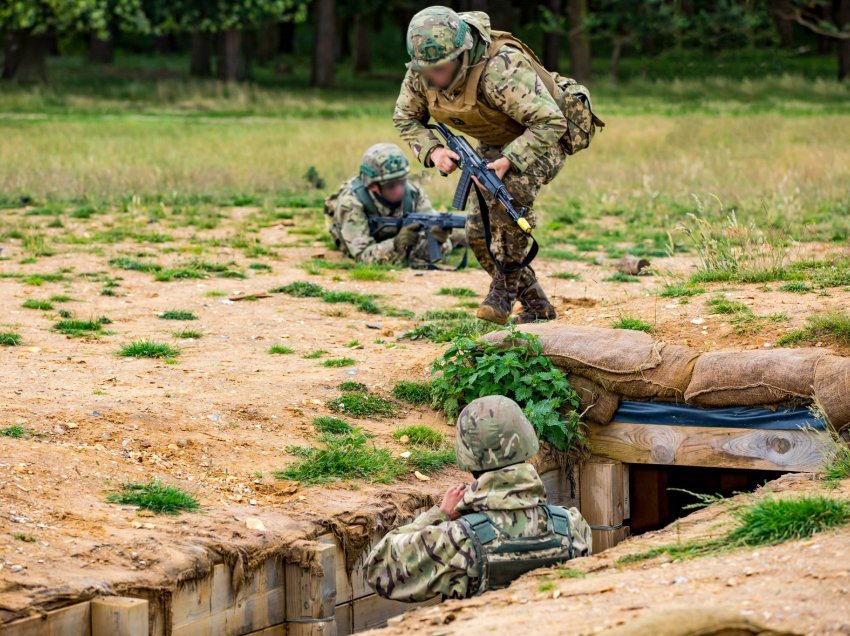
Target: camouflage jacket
x,y
509,84
349,225
434,556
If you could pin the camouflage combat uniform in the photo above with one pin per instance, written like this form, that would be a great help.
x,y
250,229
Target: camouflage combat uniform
x,y
509,84
435,555
348,219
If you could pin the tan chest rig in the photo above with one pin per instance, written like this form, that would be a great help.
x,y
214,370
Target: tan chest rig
x,y
469,115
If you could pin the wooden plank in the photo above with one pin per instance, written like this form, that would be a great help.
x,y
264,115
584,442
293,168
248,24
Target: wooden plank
x,y
650,508
274,630
310,597
372,612
789,451
119,616
558,488
74,619
602,501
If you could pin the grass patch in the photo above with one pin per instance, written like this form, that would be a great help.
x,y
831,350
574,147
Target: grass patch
x,y
720,305
837,466
832,326
339,362
362,405
427,460
279,349
423,436
353,387
16,430
79,328
332,425
620,277
35,303
370,273
156,497
412,392
313,355
565,275
187,334
450,330
457,292
345,456
634,324
796,287
178,314
299,289
445,314
59,298
681,291
302,289
148,349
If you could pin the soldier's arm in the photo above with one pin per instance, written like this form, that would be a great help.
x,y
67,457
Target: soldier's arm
x,y
510,84
354,228
410,108
429,557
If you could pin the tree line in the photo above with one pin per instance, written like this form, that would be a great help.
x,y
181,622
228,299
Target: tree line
x,y
225,38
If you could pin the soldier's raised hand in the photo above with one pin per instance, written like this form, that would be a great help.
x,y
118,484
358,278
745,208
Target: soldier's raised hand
x,y
451,499
444,160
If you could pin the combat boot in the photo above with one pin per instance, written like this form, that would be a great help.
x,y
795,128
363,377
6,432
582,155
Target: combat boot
x,y
535,305
499,303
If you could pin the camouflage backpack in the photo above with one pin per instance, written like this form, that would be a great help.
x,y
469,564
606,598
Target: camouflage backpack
x,y
500,559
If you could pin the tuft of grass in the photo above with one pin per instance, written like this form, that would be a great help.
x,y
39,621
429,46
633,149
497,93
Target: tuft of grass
x,y
187,334
59,298
313,355
332,425
635,324
339,362
720,305
423,436
450,330
20,536
362,405
370,273
276,349
16,430
837,466
620,277
792,337
834,325
681,291
445,314
427,460
299,289
79,328
178,314
346,456
134,265
35,303
155,496
10,338
353,387
148,349
457,292
413,392
795,286
566,275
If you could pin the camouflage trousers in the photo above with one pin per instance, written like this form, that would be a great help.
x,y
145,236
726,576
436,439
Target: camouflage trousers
x,y
509,243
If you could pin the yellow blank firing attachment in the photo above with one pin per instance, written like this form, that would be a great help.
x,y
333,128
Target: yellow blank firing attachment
x,y
523,225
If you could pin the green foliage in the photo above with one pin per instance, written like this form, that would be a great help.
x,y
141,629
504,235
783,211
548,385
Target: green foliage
x,y
59,298
313,355
178,314
566,275
299,289
620,277
187,334
339,362
148,349
345,456
370,273
361,405
412,392
427,460
280,349
133,264
445,314
449,330
837,466
834,325
16,431
332,425
457,292
720,305
635,324
34,303
681,291
79,328
9,339
795,286
155,496
353,387
420,435
468,370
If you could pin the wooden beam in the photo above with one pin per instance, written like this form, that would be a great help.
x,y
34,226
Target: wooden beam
x,y
710,447
311,597
603,501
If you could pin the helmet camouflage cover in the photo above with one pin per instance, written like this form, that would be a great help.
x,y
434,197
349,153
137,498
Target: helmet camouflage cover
x,y
436,35
493,432
383,162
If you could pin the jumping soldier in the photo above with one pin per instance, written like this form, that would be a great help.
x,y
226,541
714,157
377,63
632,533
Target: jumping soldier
x,y
484,535
491,86
382,189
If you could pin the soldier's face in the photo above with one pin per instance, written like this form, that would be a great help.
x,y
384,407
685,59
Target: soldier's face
x,y
392,191
442,75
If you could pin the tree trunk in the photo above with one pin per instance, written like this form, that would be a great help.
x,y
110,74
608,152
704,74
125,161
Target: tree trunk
x,y
230,62
324,40
25,56
200,64
552,39
286,41
579,41
842,21
269,42
362,52
101,51
779,11
616,52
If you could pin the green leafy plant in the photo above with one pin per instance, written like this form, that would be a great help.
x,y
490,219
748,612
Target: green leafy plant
x,y
16,430
449,330
339,362
620,277
361,405
148,349
332,425
412,392
681,291
9,339
279,349
34,303
457,292
78,328
187,334
155,496
420,435
353,387
313,355
178,314
635,324
834,325
517,369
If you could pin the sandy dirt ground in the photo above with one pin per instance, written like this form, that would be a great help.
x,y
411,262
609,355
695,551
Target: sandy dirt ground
x,y
800,587
218,421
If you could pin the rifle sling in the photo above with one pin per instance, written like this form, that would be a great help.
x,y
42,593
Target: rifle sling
x,y
488,238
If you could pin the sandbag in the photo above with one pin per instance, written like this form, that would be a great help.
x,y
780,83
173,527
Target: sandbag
x,y
753,378
832,389
694,621
597,404
667,381
611,350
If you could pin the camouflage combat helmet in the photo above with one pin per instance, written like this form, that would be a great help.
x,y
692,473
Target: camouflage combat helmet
x,y
383,162
493,432
436,35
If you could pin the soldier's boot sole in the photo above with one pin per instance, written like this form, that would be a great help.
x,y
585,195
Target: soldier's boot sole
x,y
492,314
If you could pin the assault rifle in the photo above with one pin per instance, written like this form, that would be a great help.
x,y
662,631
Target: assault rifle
x,y
445,220
474,165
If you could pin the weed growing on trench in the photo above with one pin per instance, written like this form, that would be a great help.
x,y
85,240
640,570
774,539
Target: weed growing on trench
x,y
833,326
361,405
634,324
415,393
155,496
332,425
